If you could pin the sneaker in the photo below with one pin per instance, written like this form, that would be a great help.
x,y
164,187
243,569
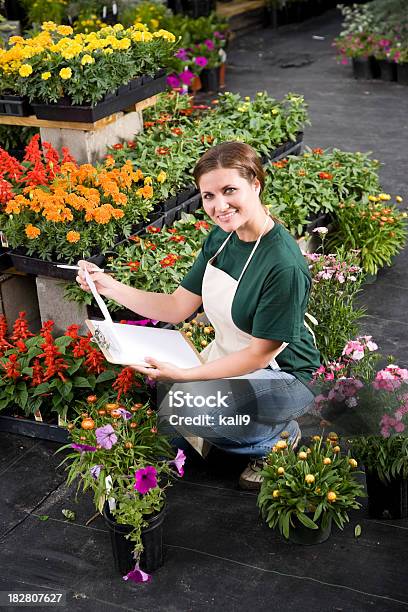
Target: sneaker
x,y
251,479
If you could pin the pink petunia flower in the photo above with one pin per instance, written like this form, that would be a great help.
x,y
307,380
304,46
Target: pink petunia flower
x,y
146,479
137,575
106,437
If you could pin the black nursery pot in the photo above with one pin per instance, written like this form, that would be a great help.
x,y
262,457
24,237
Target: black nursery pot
x,y
387,500
388,70
307,537
363,68
210,79
402,74
122,548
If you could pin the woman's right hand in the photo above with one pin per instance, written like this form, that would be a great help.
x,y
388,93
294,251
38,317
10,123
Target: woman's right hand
x,y
104,283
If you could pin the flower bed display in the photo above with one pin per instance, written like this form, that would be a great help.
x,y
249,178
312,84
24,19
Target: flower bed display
x,y
101,70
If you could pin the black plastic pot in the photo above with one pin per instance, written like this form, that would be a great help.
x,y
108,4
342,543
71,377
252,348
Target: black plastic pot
x,y
363,68
210,79
33,429
388,70
170,203
17,106
387,500
402,74
122,549
307,537
193,204
122,98
197,8
33,265
187,193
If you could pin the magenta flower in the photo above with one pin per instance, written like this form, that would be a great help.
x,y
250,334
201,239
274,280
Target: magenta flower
x,y
182,55
209,44
200,60
125,414
146,479
143,322
83,448
186,77
95,471
173,81
137,575
179,461
106,437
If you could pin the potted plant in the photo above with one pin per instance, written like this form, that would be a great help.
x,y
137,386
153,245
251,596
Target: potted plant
x,y
85,77
305,489
119,455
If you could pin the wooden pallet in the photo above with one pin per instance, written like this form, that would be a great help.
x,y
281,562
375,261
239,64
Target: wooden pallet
x,y
32,120
231,9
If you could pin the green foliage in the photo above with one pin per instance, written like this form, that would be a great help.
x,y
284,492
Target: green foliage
x,y
316,481
45,10
385,457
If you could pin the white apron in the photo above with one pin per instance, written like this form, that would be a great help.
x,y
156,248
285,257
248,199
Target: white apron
x,y
218,292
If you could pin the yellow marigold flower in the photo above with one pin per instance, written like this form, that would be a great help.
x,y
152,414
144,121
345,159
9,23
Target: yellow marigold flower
x,y
154,23
73,236
118,27
161,177
331,496
65,30
372,198
45,76
327,461
65,73
148,180
353,463
309,478
140,26
49,26
32,231
108,51
384,196
87,59
276,493
399,199
14,40
166,35
275,111
25,70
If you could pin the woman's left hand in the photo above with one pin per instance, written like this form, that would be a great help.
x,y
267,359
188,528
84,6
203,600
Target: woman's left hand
x,y
162,371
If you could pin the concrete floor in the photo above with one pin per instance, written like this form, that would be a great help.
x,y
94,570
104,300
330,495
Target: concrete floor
x,y
219,555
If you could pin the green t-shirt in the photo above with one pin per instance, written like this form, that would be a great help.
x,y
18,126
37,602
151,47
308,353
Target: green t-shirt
x,y
271,299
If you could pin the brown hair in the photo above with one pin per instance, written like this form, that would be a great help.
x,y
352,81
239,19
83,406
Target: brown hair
x,y
237,155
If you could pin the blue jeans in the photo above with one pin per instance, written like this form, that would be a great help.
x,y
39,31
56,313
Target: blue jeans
x,y
261,406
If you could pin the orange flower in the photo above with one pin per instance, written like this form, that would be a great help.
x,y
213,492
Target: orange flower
x,y
146,191
73,236
32,231
318,151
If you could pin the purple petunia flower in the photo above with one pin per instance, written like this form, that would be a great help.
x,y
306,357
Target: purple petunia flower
x,y
186,77
125,414
179,461
106,437
96,470
146,479
200,60
83,448
182,55
137,575
209,44
173,81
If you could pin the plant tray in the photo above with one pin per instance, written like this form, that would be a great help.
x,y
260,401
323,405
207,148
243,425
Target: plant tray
x,y
33,265
33,429
124,97
17,106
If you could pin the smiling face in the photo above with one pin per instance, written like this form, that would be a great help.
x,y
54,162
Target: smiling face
x,y
230,200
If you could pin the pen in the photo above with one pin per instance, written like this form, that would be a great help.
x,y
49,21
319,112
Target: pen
x,y
67,267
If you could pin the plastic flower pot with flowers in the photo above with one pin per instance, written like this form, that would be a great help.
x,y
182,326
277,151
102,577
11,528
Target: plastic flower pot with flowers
x,y
304,490
85,77
119,455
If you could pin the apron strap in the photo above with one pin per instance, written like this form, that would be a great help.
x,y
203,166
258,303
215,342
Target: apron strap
x,y
315,322
253,250
221,247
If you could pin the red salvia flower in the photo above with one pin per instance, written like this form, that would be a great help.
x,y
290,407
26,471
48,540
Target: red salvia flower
x,y
6,191
52,359
10,166
4,343
47,328
33,151
38,373
20,328
124,381
72,331
95,361
21,346
12,367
